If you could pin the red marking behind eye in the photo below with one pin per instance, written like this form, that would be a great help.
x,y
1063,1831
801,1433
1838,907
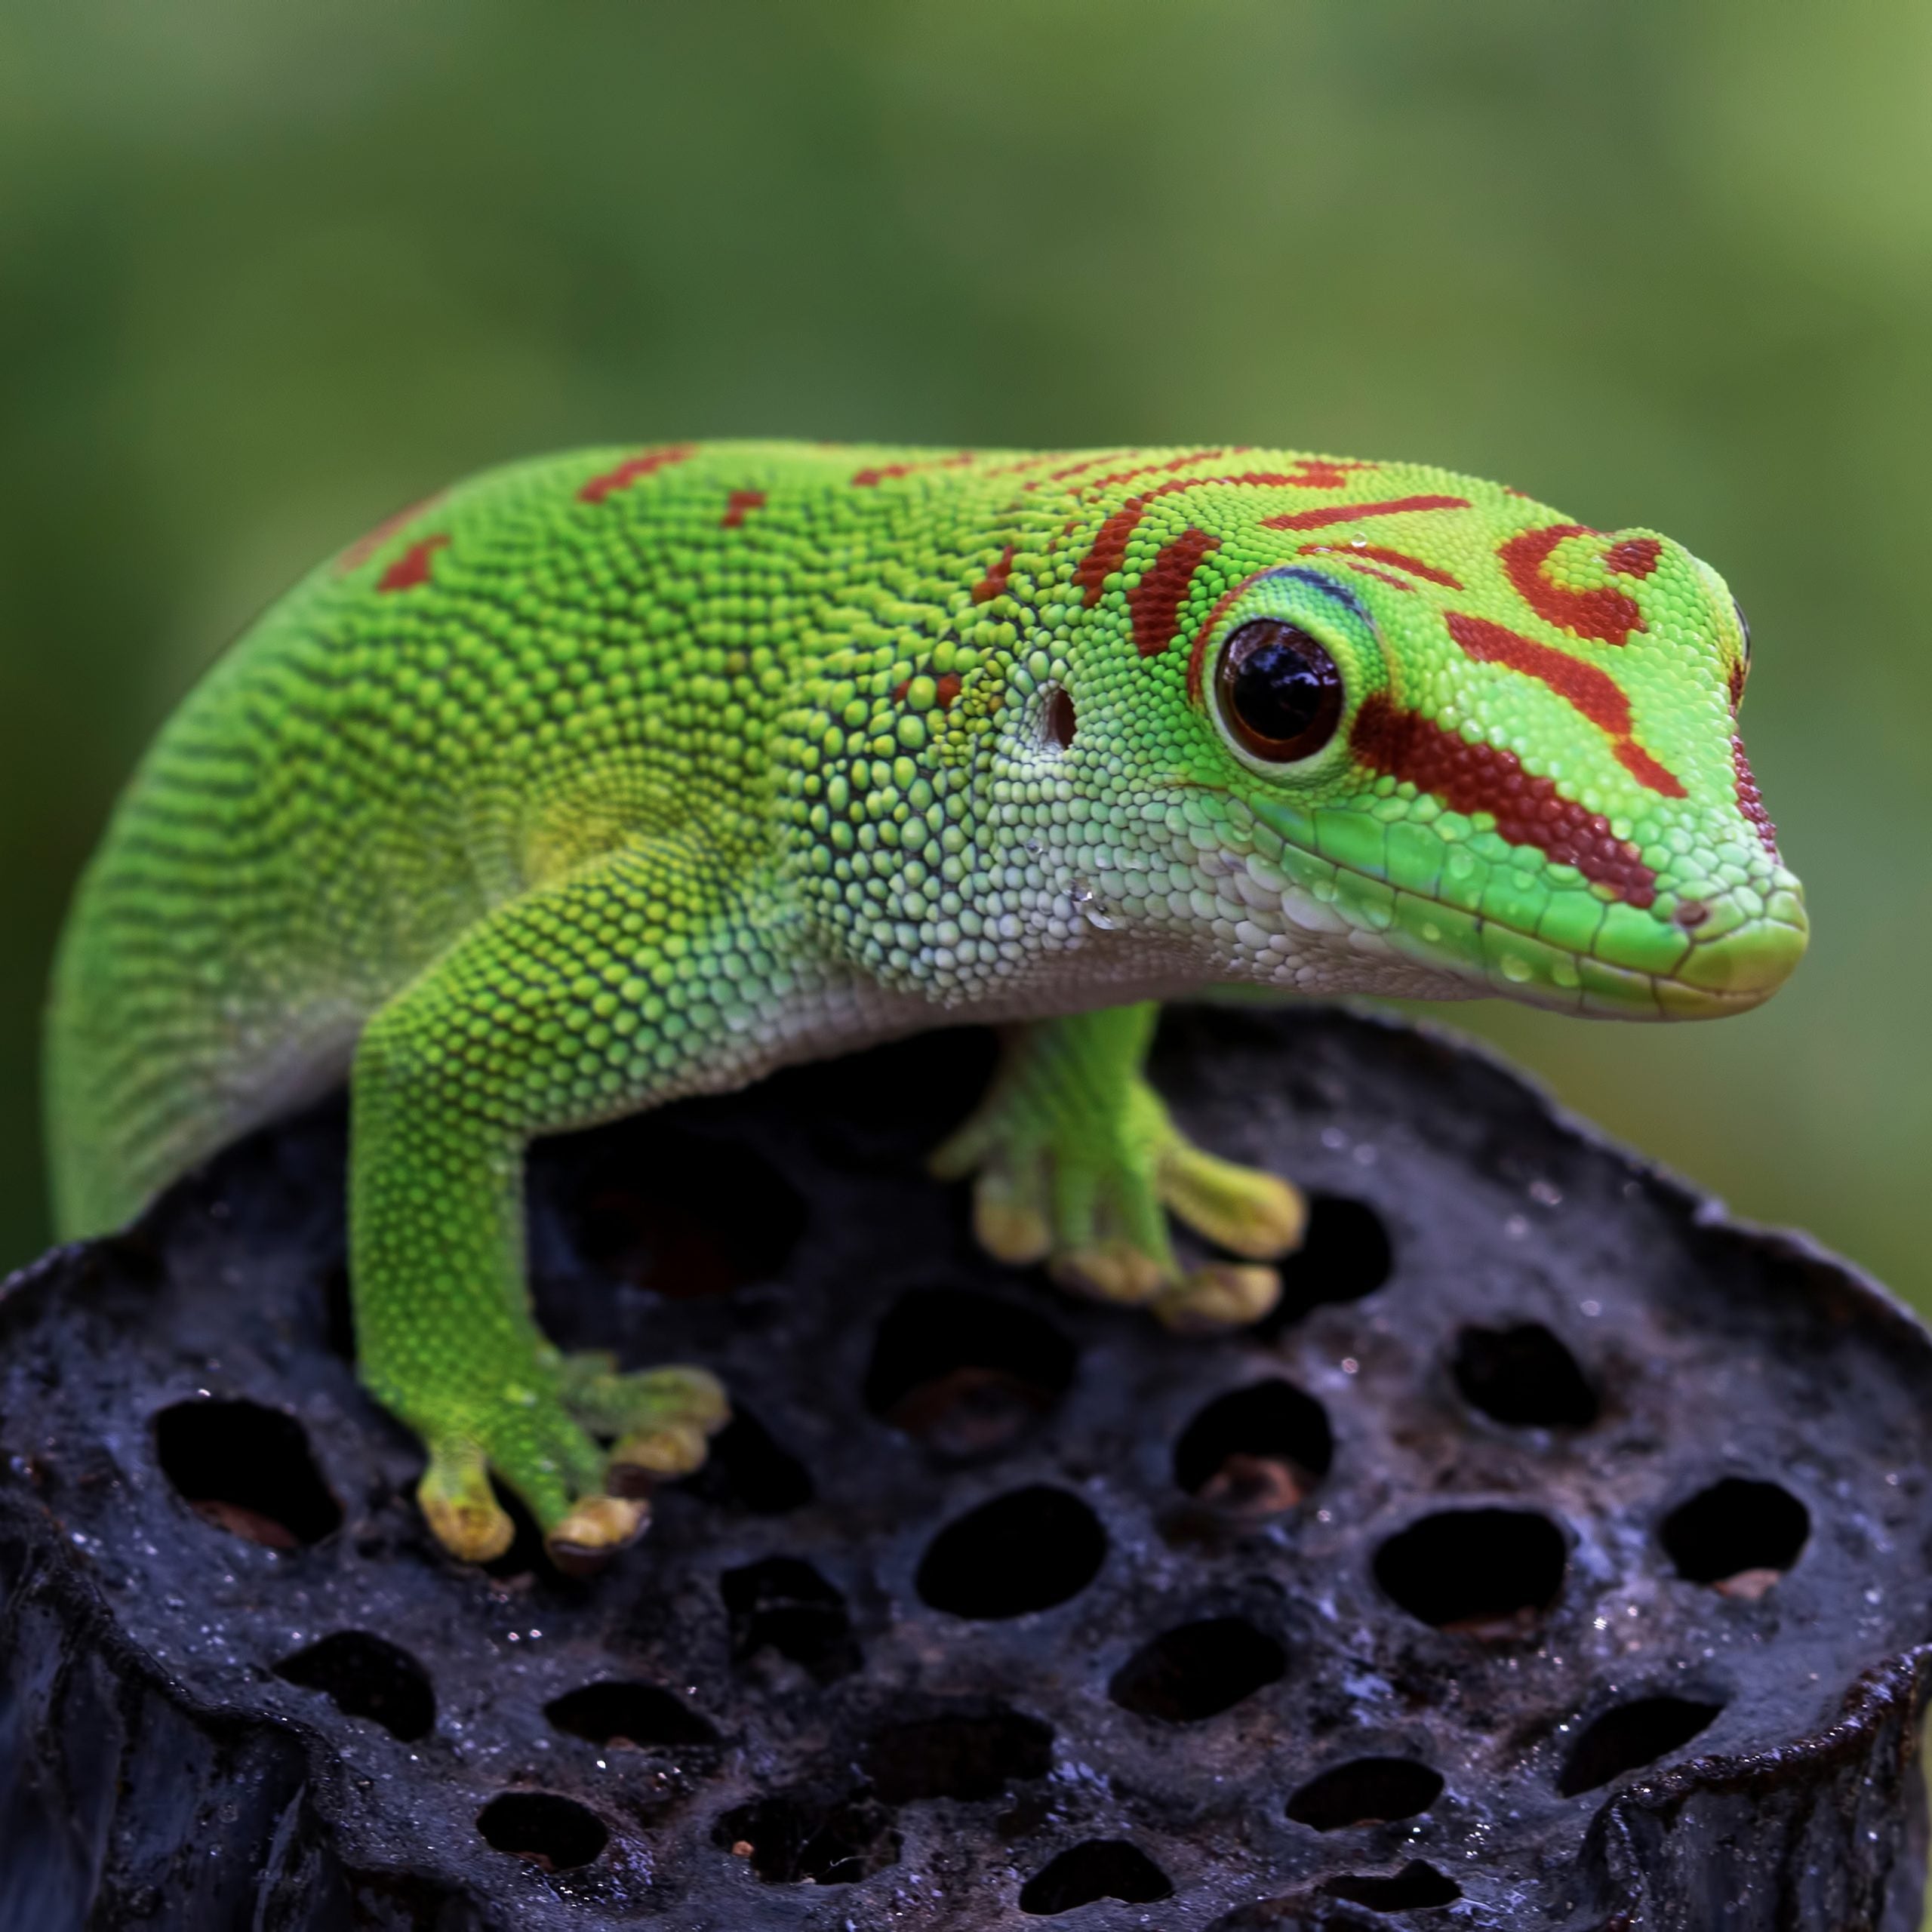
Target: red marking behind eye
x,y
366,546
1590,691
1400,560
866,479
1154,603
1199,652
1749,802
737,503
1736,683
993,584
1635,556
629,472
412,567
1320,519
1471,778
948,689
1601,612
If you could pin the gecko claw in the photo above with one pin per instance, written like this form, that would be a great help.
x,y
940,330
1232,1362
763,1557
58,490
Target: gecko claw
x,y
596,1528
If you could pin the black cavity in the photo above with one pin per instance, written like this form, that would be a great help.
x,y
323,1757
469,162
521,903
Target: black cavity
x,y
1198,1670
1345,1254
781,1603
1523,1376
1489,1572
1255,1451
1737,1531
1628,1736
616,1711
1365,1790
1027,1550
247,1469
964,1755
1098,1868
366,1676
793,1838
553,1832
967,1375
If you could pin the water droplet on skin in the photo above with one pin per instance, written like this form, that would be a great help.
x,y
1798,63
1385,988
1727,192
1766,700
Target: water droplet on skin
x,y
1517,970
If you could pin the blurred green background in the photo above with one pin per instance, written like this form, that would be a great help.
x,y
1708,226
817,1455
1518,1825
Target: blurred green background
x,y
269,270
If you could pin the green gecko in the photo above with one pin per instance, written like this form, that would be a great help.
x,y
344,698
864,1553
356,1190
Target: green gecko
x,y
622,775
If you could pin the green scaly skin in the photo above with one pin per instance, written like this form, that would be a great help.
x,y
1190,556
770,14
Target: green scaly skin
x,y
628,774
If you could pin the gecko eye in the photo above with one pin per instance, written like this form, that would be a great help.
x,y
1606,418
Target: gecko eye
x,y
1279,691
1743,630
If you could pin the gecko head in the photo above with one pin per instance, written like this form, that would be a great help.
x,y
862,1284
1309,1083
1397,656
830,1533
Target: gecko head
x,y
1474,747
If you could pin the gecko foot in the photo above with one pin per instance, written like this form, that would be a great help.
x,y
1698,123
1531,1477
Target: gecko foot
x,y
1087,1189
541,1440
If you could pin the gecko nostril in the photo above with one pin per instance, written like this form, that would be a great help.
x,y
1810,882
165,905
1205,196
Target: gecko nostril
x,y
1058,721
1692,913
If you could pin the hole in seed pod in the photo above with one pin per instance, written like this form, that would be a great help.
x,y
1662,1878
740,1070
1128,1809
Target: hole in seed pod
x,y
746,1469
1486,1573
792,1838
1365,1790
617,1711
1057,721
1255,1451
1198,1670
781,1603
967,1375
1345,1254
675,1212
1100,1868
1025,1550
247,1470
1736,1536
366,1676
1630,1735
1416,1886
1523,1376
968,1757
552,1832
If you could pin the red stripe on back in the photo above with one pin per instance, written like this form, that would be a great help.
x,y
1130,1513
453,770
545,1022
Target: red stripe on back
x,y
1318,472
739,502
1321,519
1154,603
1635,556
412,567
628,472
1399,560
366,546
1600,613
1471,778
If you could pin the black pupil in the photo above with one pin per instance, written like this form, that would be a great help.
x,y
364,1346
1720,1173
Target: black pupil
x,y
1283,682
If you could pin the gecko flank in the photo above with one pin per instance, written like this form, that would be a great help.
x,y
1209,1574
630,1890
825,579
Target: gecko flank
x,y
618,776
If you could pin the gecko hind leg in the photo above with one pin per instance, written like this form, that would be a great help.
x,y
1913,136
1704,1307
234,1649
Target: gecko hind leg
x,y
1077,1163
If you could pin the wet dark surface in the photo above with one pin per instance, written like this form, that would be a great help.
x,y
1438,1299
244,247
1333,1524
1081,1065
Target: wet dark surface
x,y
1557,1559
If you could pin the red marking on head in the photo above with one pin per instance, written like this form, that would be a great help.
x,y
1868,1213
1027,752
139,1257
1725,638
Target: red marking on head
x,y
1320,519
1386,577
899,690
1749,801
632,468
1471,778
1167,468
1593,692
1110,541
1318,472
1075,468
993,584
1154,603
948,690
1600,613
1736,683
366,546
1399,560
866,479
412,567
1635,556
737,503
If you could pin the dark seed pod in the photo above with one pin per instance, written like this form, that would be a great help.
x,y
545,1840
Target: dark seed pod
x,y
1555,1557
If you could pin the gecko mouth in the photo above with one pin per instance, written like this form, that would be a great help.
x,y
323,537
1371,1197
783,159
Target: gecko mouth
x,y
1684,976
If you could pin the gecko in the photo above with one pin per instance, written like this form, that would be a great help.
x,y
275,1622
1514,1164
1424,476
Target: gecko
x,y
634,773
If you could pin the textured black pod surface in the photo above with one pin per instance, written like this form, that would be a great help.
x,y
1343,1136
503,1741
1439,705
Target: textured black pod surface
x,y
1558,1558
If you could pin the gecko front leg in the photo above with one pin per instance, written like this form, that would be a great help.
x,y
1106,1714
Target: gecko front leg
x,y
1078,1164
576,1002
